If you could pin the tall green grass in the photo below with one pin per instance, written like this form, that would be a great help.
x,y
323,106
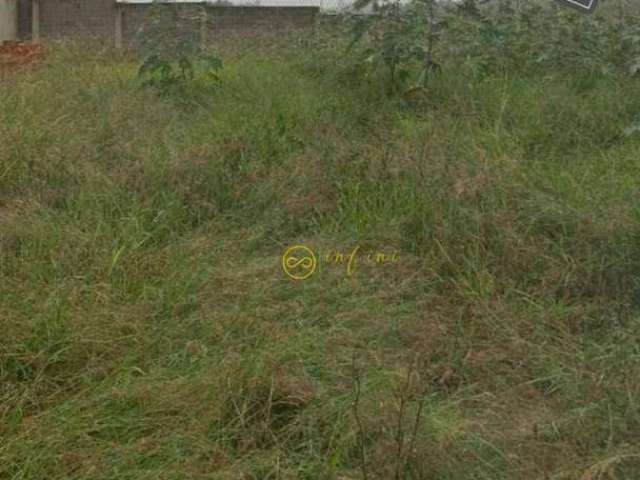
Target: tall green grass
x,y
148,330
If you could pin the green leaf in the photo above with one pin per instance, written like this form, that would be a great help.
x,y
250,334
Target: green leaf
x,y
211,63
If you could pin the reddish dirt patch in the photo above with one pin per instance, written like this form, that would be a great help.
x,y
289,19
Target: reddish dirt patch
x,y
16,54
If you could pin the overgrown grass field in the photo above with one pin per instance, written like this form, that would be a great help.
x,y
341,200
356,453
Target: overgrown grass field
x,y
147,329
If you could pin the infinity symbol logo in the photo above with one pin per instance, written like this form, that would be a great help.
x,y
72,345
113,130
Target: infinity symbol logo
x,y
294,262
299,262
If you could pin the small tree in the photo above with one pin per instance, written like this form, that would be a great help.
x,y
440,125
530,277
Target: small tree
x,y
173,54
400,37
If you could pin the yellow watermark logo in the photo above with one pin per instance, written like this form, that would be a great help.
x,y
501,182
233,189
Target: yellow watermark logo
x,y
300,262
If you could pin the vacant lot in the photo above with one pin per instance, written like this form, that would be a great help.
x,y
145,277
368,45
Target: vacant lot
x,y
149,331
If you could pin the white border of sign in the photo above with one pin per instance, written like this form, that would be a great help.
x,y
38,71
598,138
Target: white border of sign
x,y
581,6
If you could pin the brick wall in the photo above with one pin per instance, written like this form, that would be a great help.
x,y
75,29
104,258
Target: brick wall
x,y
221,18
96,18
61,18
184,20
177,21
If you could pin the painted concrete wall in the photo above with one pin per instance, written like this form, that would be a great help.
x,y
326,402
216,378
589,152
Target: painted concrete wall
x,y
8,20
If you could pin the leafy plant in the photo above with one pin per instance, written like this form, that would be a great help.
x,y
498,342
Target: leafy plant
x,y
173,53
540,35
399,37
161,72
493,36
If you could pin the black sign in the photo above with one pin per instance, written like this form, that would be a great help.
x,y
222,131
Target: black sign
x,y
586,6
